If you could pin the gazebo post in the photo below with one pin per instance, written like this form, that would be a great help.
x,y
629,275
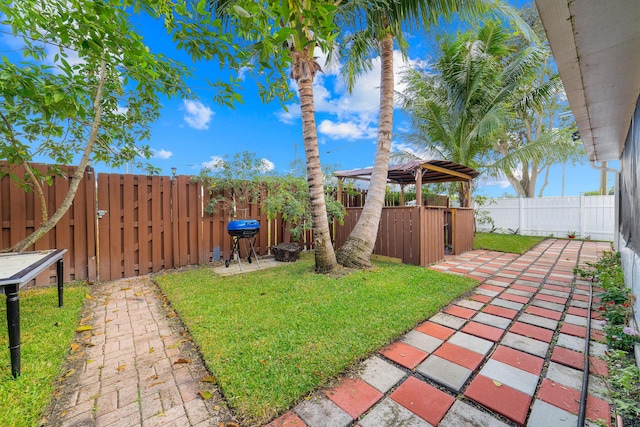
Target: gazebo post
x,y
419,187
401,195
339,196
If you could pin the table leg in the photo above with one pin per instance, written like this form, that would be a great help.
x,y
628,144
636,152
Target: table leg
x,y
60,274
13,323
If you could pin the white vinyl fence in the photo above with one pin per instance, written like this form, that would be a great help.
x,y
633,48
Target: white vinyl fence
x,y
589,216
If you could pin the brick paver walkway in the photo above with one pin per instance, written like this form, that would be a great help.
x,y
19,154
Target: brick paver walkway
x,y
135,367
510,353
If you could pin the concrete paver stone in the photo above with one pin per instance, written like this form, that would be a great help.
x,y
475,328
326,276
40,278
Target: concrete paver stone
x,y
447,320
474,305
545,415
511,376
463,414
507,304
380,374
538,321
491,320
470,342
445,372
529,345
390,413
548,305
421,341
322,412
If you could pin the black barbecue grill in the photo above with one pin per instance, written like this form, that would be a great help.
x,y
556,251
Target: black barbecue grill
x,y
243,229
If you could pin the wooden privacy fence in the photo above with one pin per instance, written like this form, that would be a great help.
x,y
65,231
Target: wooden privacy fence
x,y
418,235
20,215
126,225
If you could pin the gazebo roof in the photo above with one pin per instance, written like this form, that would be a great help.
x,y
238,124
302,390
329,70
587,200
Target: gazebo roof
x,y
432,171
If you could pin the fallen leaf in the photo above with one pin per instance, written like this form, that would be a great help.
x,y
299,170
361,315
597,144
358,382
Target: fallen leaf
x,y
125,289
151,350
264,362
206,395
108,320
210,379
69,373
90,361
84,328
153,377
156,383
216,407
175,345
497,383
138,294
57,324
74,347
122,367
172,314
181,360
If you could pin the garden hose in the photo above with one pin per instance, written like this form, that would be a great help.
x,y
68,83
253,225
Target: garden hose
x,y
585,376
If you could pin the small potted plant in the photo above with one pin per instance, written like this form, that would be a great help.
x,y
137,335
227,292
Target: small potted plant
x,y
572,234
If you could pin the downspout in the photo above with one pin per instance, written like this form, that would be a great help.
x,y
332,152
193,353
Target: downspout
x,y
616,198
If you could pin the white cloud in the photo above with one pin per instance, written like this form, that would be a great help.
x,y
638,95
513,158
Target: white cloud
x,y
197,114
346,130
291,115
214,163
492,181
162,154
267,165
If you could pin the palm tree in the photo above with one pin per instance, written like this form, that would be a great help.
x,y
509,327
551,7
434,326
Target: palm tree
x,y
287,33
382,26
458,108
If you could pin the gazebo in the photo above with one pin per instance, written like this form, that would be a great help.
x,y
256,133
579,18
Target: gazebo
x,y
419,234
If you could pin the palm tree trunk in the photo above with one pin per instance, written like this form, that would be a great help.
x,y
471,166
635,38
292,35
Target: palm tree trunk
x,y
324,254
357,249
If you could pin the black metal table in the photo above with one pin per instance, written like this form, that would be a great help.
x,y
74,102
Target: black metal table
x,y
17,269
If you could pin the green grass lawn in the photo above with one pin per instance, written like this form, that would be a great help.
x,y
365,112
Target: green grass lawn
x,y
513,243
46,334
273,336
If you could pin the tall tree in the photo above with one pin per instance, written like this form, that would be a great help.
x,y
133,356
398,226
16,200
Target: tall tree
x,y
97,106
460,105
285,35
381,26
538,101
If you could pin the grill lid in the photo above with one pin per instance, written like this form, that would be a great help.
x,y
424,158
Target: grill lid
x,y
243,225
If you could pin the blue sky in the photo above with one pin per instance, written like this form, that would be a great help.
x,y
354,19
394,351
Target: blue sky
x,y
191,134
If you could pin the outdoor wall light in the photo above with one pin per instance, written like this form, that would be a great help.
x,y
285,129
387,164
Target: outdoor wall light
x,y
173,172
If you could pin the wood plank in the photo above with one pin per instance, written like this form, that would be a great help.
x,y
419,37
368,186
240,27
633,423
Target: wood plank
x,y
169,227
115,226
142,218
157,223
104,228
129,238
91,224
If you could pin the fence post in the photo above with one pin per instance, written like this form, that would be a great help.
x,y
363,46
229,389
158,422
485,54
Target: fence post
x,y
582,216
521,215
